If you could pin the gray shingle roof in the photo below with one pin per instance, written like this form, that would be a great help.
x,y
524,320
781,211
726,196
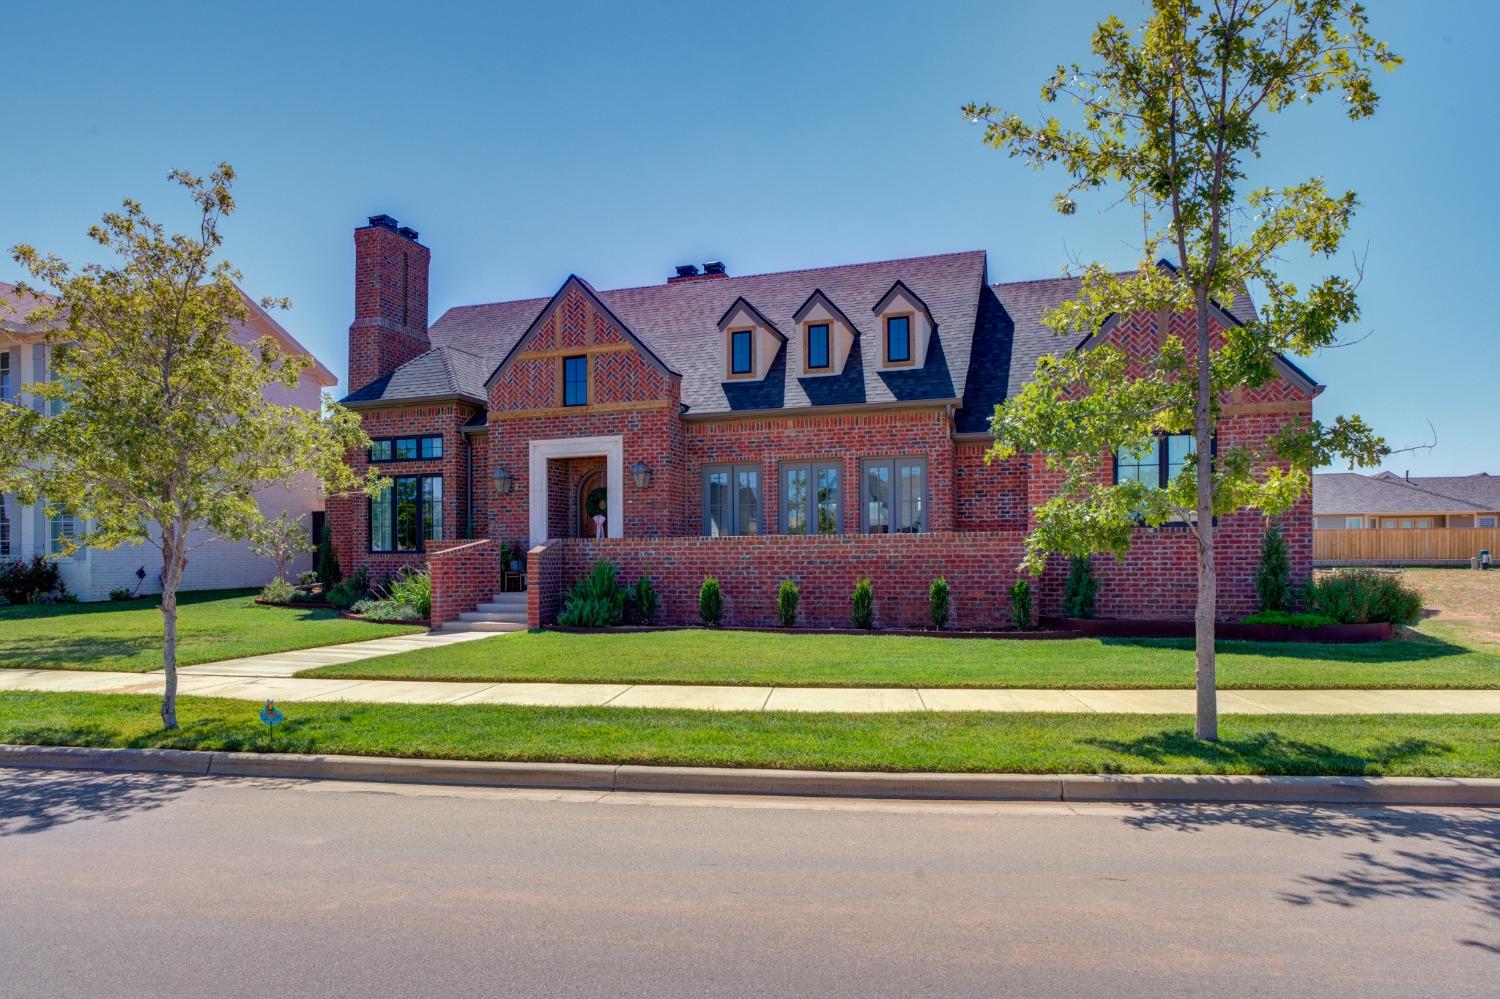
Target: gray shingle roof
x,y
1352,493
442,372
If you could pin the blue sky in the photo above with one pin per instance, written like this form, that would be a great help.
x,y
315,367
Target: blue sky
x,y
614,140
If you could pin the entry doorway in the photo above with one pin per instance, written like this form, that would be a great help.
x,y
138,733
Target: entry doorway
x,y
593,499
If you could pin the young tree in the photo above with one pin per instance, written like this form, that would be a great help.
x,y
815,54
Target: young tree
x,y
155,427
1173,116
281,538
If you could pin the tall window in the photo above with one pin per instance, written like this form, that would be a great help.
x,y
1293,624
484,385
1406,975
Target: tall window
x,y
4,376
576,381
742,352
407,514
1159,465
61,528
731,500
817,345
811,498
4,529
898,340
895,495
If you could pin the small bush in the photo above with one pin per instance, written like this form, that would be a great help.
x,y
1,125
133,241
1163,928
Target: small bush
x,y
787,598
278,591
1081,588
307,578
1020,605
643,596
939,602
120,593
1273,574
1357,596
328,570
413,589
387,611
347,592
1289,620
862,605
710,602
29,581
595,600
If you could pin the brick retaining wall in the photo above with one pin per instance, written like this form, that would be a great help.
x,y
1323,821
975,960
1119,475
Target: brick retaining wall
x,y
464,573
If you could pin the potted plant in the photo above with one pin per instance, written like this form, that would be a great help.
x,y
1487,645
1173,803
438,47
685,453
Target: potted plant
x,y
515,556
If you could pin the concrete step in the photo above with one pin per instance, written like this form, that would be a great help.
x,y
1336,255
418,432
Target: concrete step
x,y
504,617
501,608
518,599
495,626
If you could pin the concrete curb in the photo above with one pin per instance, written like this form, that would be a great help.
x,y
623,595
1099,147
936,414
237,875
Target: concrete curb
x,y
1453,791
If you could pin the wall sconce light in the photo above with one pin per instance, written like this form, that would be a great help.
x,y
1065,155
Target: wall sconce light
x,y
503,479
641,474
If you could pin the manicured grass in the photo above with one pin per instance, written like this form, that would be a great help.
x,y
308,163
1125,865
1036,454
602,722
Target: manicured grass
x,y
758,658
211,625
1433,745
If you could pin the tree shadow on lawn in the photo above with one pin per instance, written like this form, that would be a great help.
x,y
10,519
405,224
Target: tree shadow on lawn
x,y
1397,650
1268,753
1399,854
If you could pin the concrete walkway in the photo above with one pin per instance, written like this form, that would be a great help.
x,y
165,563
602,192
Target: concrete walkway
x,y
260,678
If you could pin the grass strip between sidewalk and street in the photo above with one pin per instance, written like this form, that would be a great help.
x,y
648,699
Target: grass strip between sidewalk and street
x,y
752,658
1371,745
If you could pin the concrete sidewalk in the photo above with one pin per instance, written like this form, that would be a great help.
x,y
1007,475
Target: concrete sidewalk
x,y
237,681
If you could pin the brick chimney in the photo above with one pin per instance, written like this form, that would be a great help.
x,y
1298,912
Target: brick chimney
x,y
390,300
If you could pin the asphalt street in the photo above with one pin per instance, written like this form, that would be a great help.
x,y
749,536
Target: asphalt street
x,y
147,885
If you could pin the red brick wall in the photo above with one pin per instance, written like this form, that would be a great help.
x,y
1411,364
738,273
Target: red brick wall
x,y
390,304
988,497
544,583
464,573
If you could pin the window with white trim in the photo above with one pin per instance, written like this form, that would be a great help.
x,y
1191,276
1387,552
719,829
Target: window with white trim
x,y
894,495
1354,522
812,497
731,500
61,528
1485,521
4,529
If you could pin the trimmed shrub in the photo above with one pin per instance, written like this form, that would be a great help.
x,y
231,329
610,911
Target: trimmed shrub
x,y
710,602
347,592
787,598
1020,605
29,582
1081,588
307,577
939,602
328,570
862,604
413,588
1356,596
120,593
1273,574
1288,620
595,600
643,597
277,591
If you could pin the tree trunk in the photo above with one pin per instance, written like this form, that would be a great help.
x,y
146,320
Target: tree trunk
x,y
173,563
1207,726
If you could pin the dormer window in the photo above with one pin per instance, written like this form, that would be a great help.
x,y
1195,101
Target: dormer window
x,y
897,340
817,346
742,352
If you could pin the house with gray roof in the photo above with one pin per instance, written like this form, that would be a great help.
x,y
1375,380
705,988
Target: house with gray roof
x,y
1387,501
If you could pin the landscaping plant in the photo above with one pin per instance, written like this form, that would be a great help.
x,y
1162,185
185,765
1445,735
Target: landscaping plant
x,y
938,602
595,600
30,582
1357,596
1273,574
1170,118
787,597
411,588
1020,605
862,604
280,539
643,596
1080,589
328,569
121,593
277,591
1287,619
388,611
347,592
710,602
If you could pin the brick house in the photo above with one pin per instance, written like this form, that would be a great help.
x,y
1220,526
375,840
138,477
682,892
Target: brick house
x,y
823,425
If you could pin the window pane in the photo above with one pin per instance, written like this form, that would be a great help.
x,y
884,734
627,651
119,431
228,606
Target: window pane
x,y
911,494
1353,522
406,514
747,501
1146,468
380,450
380,521
432,447
796,500
575,381
717,487
1179,446
406,448
741,349
878,499
828,499
432,508
1486,521
58,528
817,345
898,338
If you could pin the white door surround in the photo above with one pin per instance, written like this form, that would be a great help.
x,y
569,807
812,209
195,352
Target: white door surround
x,y
611,448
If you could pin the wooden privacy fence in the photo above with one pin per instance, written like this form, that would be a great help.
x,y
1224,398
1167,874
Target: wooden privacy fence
x,y
1405,546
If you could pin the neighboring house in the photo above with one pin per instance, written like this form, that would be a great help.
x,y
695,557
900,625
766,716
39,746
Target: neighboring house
x,y
1387,501
91,573
823,425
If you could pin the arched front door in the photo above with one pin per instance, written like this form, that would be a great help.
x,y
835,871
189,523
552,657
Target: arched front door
x,y
592,499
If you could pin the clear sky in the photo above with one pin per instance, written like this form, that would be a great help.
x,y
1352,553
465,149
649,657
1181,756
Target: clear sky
x,y
614,140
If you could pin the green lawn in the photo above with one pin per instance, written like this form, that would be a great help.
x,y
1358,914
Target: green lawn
x,y
211,625
758,658
1433,745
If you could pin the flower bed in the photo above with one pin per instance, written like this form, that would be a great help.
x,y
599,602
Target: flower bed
x,y
1339,634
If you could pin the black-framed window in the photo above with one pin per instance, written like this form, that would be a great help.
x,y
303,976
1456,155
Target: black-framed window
x,y
576,380
407,514
812,497
4,376
818,346
894,495
898,339
428,448
1158,465
4,529
741,352
731,500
